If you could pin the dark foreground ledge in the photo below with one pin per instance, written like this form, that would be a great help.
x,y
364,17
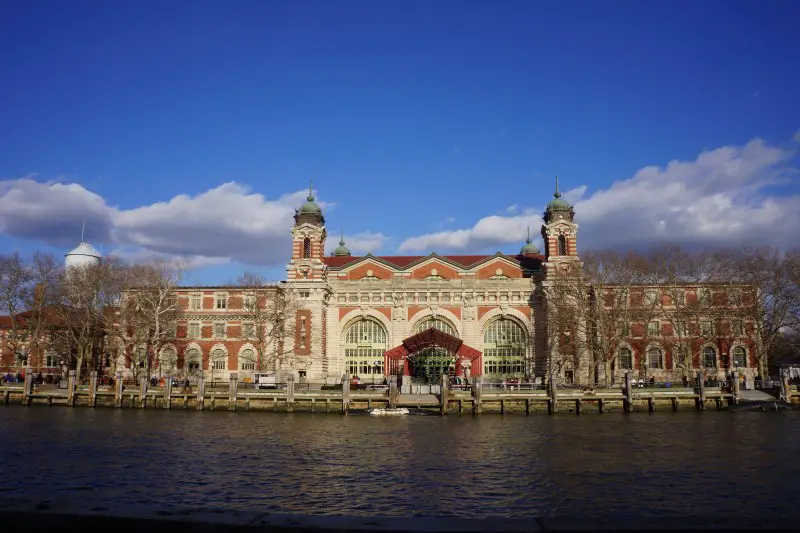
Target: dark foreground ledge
x,y
45,515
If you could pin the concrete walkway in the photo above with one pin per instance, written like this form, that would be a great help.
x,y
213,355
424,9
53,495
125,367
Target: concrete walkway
x,y
755,396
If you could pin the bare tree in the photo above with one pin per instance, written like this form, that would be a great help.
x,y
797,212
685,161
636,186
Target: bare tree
x,y
771,305
149,312
274,326
85,296
15,278
39,298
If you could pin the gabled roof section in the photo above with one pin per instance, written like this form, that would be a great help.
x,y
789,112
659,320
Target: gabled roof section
x,y
403,262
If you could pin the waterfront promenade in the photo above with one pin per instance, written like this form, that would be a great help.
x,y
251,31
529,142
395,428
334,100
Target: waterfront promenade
x,y
444,398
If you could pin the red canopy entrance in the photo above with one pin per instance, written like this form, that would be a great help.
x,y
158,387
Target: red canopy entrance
x,y
397,356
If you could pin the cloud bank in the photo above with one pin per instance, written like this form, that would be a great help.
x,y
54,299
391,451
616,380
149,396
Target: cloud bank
x,y
724,197
227,223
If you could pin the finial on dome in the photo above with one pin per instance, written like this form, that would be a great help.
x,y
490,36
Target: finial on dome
x,y
310,191
557,193
83,228
528,240
341,239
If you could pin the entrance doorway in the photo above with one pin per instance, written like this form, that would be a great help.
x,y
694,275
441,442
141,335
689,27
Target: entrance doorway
x,y
429,364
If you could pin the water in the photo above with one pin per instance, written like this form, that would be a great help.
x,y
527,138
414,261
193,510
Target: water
x,y
736,464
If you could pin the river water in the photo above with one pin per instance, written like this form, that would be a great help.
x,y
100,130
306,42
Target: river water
x,y
685,463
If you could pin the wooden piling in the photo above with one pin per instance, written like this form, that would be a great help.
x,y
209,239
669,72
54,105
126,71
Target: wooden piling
x,y
651,404
233,391
71,388
142,393
600,406
443,394
627,403
93,388
118,383
201,391
552,404
345,393
168,393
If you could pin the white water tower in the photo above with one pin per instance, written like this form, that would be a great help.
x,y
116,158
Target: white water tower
x,y
84,255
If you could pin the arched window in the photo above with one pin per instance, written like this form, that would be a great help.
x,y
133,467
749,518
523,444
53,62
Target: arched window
x,y
655,358
168,361
625,358
193,361
247,360
436,322
739,357
365,341
306,248
562,245
504,349
219,359
709,357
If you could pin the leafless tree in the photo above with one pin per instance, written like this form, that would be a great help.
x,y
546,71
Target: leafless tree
x,y
149,312
772,305
85,296
15,279
271,315
39,298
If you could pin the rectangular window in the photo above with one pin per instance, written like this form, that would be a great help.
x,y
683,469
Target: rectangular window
x,y
678,297
737,327
706,328
651,297
248,365
739,357
222,301
653,328
625,330
219,364
249,301
193,331
248,331
51,360
704,296
305,294
195,302
303,332
622,297
219,331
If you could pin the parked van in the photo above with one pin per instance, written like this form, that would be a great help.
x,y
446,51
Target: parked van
x,y
265,381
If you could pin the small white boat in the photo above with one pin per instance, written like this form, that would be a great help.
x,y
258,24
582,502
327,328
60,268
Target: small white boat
x,y
389,412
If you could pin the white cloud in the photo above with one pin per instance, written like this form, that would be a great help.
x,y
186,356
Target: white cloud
x,y
358,244
722,197
491,230
227,223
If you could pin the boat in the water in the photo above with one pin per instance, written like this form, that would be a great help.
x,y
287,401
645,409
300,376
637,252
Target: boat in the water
x,y
389,411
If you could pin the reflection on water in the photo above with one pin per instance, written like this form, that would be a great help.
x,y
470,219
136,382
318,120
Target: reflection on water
x,y
667,463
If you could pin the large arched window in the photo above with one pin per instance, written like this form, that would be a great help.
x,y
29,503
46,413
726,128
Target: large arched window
x,y
193,360
306,248
562,245
219,360
739,357
168,361
247,360
655,358
709,357
625,358
504,349
436,322
365,341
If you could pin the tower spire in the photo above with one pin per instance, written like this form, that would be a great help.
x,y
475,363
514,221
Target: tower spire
x,y
528,240
557,193
310,190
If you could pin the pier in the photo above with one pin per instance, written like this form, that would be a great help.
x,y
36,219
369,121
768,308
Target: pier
x,y
477,398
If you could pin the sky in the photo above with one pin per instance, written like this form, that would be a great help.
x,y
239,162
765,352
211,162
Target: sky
x,y
191,130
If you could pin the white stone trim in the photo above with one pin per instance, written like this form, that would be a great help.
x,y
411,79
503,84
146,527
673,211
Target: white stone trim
x,y
448,315
356,314
497,312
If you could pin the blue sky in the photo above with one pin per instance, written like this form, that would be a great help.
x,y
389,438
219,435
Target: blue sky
x,y
192,128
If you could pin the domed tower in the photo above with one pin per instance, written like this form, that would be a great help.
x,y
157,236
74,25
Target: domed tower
x,y
341,250
529,248
560,233
83,255
308,241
